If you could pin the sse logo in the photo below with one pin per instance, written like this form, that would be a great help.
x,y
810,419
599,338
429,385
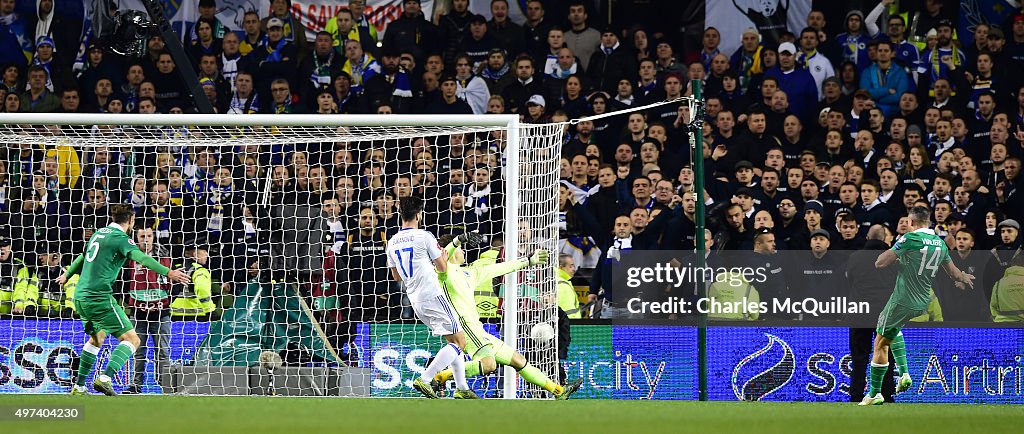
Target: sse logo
x,y
767,380
772,368
36,365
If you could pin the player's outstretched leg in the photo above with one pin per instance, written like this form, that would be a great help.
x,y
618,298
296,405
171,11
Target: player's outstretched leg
x,y
899,352
879,365
122,353
86,360
445,357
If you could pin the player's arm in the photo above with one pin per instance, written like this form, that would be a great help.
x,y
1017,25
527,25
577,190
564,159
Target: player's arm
x,y
958,275
885,259
468,239
892,255
438,256
394,273
151,263
73,269
488,272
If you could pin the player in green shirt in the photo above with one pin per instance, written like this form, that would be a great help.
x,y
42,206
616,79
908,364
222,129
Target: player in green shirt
x,y
920,254
487,351
100,265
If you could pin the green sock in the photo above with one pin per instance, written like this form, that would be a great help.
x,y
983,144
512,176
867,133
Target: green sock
x,y
538,378
86,360
877,374
122,352
899,352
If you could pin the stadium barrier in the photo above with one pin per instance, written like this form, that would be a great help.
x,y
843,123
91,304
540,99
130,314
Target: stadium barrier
x,y
964,365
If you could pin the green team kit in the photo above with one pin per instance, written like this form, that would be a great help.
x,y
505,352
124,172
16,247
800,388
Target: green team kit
x,y
921,254
101,265
98,268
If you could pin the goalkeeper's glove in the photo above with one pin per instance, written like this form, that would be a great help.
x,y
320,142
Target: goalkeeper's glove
x,y
469,239
540,256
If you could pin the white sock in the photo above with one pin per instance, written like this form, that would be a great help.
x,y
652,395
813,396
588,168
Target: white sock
x,y
442,359
92,349
129,345
459,372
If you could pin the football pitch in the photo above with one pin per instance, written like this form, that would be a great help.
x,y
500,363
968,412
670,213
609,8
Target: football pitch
x,y
194,414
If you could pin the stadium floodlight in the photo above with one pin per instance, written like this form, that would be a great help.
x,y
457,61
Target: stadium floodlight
x,y
240,171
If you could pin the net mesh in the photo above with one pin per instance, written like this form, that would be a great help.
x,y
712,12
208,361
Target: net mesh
x,y
290,224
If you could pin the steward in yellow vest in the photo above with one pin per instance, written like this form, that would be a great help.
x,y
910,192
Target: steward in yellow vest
x,y
196,299
568,301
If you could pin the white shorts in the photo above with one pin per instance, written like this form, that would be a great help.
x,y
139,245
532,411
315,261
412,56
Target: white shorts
x,y
437,314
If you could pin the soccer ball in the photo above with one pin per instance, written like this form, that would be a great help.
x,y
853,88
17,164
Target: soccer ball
x,y
542,333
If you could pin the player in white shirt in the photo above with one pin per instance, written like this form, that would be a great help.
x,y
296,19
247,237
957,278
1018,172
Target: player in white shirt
x,y
413,254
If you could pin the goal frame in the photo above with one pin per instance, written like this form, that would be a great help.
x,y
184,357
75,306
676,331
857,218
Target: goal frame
x,y
509,122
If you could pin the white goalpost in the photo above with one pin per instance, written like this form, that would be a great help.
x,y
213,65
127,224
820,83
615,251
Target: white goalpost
x,y
292,212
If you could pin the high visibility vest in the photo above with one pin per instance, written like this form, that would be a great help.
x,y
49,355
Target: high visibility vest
x,y
51,297
567,299
197,299
9,283
484,297
934,313
26,293
1007,303
69,292
731,287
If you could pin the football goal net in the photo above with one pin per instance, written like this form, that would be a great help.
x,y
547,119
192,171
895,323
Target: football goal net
x,y
282,223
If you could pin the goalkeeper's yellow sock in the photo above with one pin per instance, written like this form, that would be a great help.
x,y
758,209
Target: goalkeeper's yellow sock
x,y
444,376
538,378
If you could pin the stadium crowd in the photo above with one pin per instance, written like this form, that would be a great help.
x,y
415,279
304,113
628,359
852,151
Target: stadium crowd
x,y
810,141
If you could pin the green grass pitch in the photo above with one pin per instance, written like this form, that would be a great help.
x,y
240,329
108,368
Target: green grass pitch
x,y
221,415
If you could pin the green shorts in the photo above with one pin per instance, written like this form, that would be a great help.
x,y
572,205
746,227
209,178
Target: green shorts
x,y
480,344
894,317
105,315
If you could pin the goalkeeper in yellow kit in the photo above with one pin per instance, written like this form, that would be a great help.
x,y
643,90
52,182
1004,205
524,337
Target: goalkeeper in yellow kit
x,y
486,350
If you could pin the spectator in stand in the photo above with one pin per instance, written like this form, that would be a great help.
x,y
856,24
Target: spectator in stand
x,y
206,40
941,61
509,35
317,71
148,295
814,61
413,32
292,29
282,100
279,55
38,99
884,80
470,88
393,86
449,103
610,63
582,39
477,43
524,86
798,83
497,72
453,28
854,42
343,27
244,100
252,35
